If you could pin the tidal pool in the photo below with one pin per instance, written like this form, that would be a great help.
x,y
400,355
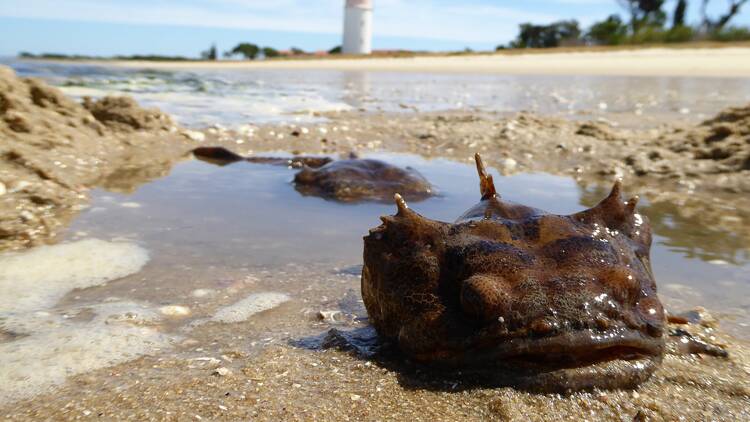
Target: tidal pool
x,y
249,216
239,241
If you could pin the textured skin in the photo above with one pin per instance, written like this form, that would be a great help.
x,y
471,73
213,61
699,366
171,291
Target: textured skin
x,y
348,180
361,179
558,302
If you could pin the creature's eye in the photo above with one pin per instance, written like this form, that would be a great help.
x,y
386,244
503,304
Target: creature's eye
x,y
486,297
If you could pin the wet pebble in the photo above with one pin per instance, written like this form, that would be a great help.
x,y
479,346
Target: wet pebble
x,y
331,317
175,310
194,135
222,372
199,293
508,164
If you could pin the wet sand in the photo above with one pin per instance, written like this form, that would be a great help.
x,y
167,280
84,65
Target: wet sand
x,y
718,62
55,149
698,167
271,366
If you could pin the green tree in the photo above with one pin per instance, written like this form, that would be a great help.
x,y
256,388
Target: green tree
x,y
335,50
611,31
546,36
297,51
250,51
678,18
644,13
270,52
714,25
210,54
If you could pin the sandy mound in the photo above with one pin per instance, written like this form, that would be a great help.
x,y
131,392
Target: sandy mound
x,y
54,148
724,140
123,113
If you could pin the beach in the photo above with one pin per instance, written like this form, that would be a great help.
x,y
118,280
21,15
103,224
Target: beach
x,y
702,62
180,290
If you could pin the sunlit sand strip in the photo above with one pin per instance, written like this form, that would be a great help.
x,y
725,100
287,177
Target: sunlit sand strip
x,y
717,62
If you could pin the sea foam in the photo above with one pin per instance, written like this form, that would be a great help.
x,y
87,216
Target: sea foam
x,y
249,306
37,279
49,345
59,346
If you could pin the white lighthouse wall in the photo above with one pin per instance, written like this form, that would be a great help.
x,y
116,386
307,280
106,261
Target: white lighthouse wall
x,y
357,31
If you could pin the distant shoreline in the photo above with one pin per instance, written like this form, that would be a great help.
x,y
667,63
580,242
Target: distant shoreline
x,y
696,60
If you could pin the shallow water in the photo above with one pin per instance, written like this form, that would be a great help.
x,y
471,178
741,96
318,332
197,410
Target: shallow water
x,y
238,240
216,235
203,97
250,216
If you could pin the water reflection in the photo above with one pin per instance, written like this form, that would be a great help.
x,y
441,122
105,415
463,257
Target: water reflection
x,y
250,215
696,228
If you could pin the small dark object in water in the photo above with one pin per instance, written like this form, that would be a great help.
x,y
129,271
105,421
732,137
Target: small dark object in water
x,y
222,156
362,179
536,300
349,180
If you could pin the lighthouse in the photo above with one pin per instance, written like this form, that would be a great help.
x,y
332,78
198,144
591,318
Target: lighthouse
x,y
357,27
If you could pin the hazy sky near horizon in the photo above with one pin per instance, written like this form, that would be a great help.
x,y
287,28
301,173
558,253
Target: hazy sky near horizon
x,y
185,27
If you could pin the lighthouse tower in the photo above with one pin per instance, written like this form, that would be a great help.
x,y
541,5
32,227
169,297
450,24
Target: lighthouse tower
x,y
357,27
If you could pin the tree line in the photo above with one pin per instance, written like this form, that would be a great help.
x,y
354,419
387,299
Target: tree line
x,y
247,50
252,51
647,21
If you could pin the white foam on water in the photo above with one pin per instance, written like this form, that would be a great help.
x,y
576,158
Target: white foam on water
x,y
37,279
202,108
54,344
59,346
249,306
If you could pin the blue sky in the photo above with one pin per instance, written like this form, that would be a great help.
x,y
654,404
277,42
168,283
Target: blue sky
x,y
185,27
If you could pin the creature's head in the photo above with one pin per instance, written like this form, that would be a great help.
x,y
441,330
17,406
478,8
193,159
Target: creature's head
x,y
510,285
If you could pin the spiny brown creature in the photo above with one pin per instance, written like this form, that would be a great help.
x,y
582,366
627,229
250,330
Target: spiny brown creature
x,y
350,180
536,300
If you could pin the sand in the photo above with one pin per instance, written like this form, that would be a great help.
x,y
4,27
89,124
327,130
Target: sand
x,y
709,62
278,366
696,170
54,150
268,367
